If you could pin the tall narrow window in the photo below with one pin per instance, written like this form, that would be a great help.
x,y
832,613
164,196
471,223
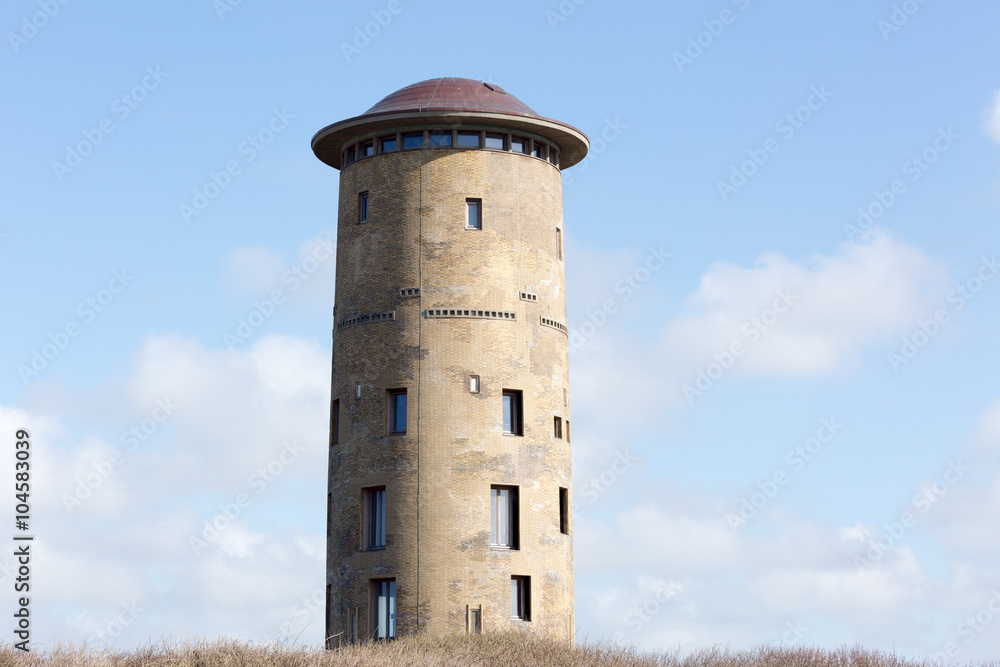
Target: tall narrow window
x,y
564,510
383,598
397,411
512,422
558,243
357,390
328,643
473,384
363,207
520,598
503,517
335,422
567,430
557,427
473,213
352,626
374,518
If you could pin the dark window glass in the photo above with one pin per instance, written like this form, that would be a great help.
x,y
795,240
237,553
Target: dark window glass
x,y
564,510
438,139
388,144
519,145
375,513
512,422
413,140
363,207
397,411
368,149
520,598
494,141
468,139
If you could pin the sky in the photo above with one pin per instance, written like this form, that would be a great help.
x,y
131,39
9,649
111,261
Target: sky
x,y
782,263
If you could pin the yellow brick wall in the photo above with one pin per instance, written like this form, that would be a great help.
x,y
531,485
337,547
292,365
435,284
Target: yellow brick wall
x,y
438,475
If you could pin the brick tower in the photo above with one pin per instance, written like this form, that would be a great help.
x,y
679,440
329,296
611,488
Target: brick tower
x,y
449,470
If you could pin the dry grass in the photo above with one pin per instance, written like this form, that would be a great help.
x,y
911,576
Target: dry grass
x,y
493,650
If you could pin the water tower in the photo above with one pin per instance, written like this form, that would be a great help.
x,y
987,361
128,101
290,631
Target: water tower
x,y
449,472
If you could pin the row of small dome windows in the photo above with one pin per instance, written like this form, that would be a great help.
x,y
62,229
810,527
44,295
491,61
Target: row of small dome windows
x,y
449,139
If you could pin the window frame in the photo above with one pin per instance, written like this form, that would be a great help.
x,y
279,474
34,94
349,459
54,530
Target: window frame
x,y
382,141
557,426
564,510
464,133
516,397
474,384
494,136
373,517
413,135
363,207
477,224
392,412
511,517
520,604
375,619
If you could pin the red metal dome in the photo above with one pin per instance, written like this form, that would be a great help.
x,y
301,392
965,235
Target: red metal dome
x,y
452,95
449,101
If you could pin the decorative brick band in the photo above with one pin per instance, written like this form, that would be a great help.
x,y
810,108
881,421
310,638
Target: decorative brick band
x,y
364,319
469,312
559,326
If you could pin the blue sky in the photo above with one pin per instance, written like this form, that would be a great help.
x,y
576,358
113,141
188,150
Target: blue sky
x,y
661,472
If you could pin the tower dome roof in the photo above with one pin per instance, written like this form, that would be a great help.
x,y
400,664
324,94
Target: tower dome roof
x,y
450,101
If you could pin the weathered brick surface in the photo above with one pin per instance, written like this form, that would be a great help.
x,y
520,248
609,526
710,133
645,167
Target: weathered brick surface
x,y
438,475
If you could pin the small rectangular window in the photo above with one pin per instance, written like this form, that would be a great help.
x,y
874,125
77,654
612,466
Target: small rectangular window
x,y
519,144
363,207
374,517
539,150
368,149
383,612
494,141
388,144
357,390
439,139
397,411
415,140
335,422
503,517
473,384
512,421
559,244
473,213
557,427
520,598
564,510
468,139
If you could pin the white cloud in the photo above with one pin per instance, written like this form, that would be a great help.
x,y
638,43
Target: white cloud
x,y
128,541
255,272
991,120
